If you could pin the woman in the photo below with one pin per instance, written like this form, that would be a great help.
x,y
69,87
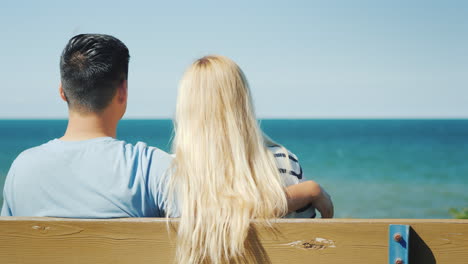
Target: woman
x,y
225,174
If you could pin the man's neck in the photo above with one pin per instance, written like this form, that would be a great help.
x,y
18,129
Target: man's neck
x,y
89,126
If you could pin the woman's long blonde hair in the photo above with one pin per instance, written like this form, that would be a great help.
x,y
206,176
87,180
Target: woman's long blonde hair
x,y
224,175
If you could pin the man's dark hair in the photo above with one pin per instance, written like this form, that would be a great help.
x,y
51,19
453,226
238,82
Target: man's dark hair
x,y
92,66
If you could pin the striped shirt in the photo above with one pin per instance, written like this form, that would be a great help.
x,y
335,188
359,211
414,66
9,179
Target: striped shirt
x,y
291,173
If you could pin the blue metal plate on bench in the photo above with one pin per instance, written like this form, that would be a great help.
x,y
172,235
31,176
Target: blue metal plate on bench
x,y
398,244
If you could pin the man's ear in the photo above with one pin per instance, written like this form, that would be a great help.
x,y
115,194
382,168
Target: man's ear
x,y
123,92
62,93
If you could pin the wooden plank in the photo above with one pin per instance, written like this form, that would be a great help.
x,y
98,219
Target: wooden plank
x,y
146,240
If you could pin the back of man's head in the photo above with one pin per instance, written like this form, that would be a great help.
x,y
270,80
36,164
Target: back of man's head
x,y
92,67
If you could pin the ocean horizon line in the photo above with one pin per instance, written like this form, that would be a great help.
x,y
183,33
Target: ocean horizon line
x,y
260,118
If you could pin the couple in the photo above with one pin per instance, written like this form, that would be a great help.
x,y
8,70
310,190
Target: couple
x,y
225,171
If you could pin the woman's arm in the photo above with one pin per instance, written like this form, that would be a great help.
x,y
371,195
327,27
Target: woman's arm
x,y
309,192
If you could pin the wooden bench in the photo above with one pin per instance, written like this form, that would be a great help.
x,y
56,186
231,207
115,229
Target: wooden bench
x,y
147,240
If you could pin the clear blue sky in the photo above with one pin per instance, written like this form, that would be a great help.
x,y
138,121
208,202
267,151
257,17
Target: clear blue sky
x,y
304,59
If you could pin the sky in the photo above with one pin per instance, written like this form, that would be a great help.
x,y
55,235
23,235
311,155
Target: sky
x,y
303,59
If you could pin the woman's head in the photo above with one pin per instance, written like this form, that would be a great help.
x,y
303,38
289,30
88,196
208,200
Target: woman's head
x,y
214,91
224,175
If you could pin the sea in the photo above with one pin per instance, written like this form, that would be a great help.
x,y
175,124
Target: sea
x,y
371,168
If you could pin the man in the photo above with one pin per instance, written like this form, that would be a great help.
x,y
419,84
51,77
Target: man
x,y
88,173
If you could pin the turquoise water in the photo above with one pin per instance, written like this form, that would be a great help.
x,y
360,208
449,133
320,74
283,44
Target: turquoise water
x,y
371,168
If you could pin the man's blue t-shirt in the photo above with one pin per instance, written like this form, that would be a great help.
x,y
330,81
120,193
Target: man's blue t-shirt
x,y
96,178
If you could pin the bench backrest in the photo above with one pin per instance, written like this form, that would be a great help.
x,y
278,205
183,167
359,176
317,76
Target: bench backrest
x,y
147,240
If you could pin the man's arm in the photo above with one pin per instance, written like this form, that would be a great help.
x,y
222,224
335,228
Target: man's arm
x,y
309,192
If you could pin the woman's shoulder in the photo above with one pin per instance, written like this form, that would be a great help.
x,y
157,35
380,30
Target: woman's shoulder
x,y
281,152
288,164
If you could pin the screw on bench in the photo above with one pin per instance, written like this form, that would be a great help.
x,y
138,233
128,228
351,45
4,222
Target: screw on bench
x,y
397,237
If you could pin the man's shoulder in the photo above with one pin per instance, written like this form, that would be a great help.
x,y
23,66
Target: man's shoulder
x,y
147,150
151,154
55,149
33,152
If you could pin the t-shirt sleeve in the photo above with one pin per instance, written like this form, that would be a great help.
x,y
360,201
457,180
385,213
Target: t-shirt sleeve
x,y
6,208
158,179
291,173
6,211
288,165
